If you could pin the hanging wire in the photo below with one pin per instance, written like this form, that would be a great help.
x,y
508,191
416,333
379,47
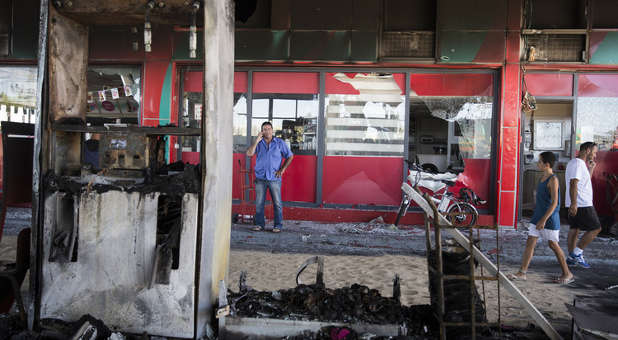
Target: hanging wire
x,y
478,235
497,274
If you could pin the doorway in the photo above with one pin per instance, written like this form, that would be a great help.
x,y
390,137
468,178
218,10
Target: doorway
x,y
548,128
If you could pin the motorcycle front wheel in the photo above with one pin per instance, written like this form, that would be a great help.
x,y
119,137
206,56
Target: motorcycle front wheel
x,y
462,214
403,207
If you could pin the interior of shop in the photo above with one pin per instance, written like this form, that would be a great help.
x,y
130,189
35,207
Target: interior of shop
x,y
113,94
548,128
446,131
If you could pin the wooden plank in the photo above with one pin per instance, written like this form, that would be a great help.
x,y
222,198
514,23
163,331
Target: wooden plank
x,y
68,63
123,12
532,311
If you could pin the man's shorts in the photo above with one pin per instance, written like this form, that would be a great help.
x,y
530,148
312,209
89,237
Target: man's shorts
x,y
545,234
585,219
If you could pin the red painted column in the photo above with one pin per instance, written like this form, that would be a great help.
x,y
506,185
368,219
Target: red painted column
x,y
509,141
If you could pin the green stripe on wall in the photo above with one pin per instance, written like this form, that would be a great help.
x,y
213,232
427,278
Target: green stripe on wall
x,y
607,52
165,106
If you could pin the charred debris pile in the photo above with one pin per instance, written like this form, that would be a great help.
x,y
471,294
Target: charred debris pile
x,y
354,304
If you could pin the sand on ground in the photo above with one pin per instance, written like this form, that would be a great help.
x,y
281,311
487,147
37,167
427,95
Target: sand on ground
x,y
273,271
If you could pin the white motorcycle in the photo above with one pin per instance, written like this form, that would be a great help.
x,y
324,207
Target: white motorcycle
x,y
459,211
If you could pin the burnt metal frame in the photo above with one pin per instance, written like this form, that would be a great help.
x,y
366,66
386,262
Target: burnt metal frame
x,y
36,263
10,41
321,152
438,270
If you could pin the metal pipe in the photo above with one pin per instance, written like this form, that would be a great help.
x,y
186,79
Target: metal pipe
x,y
193,30
147,28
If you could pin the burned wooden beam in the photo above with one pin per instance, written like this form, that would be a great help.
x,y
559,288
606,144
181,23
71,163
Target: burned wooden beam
x,y
123,12
68,62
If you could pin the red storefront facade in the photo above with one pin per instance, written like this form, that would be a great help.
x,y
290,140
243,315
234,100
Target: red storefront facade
x,y
352,112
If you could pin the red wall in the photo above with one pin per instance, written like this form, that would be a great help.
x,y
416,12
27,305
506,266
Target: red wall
x,y
549,84
598,85
452,84
362,180
299,181
286,82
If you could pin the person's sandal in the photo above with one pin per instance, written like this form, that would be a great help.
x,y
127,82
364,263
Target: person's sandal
x,y
276,230
257,228
564,281
519,276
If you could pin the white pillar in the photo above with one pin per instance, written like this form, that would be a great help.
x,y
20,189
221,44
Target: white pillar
x,y
216,154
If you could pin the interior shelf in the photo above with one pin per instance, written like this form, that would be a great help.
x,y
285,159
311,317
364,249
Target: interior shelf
x,y
165,130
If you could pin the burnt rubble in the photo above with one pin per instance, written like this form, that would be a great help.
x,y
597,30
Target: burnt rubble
x,y
456,291
354,304
173,179
52,329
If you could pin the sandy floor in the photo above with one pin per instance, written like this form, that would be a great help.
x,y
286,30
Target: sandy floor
x,y
269,271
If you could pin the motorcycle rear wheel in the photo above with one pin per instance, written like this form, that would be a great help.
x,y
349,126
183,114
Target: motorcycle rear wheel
x,y
467,218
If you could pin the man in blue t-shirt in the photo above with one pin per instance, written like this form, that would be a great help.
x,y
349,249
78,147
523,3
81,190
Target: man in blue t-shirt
x,y
270,152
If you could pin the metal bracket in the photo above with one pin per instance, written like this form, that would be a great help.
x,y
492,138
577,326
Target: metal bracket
x,y
319,278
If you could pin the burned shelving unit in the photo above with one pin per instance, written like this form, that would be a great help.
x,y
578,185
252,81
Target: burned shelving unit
x,y
118,233
127,229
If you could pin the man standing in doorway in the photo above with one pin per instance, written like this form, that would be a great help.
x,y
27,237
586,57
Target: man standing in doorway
x,y
270,152
582,215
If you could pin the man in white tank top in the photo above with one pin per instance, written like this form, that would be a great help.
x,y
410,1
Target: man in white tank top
x,y
578,199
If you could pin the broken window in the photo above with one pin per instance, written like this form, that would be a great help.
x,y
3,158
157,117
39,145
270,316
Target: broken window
x,y
597,111
365,114
451,126
114,93
459,124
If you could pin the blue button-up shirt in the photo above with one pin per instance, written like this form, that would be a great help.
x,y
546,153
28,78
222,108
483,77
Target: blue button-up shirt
x,y
269,158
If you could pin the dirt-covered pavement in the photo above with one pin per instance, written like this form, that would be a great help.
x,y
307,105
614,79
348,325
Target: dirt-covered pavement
x,y
374,239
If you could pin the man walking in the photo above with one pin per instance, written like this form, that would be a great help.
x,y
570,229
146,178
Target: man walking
x,y
270,152
582,215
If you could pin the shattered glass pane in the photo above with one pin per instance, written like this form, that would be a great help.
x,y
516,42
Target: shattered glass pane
x,y
597,121
453,134
471,117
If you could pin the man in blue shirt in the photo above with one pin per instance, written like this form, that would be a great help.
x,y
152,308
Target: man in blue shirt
x,y
270,152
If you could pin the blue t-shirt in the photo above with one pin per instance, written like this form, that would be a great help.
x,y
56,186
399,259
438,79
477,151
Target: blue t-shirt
x,y
543,201
269,157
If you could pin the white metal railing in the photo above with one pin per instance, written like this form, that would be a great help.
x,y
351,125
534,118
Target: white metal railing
x,y
16,113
